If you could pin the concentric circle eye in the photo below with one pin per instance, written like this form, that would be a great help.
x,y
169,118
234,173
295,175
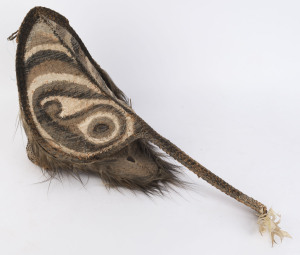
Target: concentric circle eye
x,y
103,126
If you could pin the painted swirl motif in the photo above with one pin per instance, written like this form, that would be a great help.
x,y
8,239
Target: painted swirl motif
x,y
68,108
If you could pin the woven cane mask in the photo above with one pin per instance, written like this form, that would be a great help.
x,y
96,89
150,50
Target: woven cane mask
x,y
77,120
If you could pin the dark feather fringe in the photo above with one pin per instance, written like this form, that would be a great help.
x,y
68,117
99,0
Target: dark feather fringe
x,y
158,183
164,179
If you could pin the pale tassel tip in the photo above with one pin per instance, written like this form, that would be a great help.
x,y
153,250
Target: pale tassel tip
x,y
269,222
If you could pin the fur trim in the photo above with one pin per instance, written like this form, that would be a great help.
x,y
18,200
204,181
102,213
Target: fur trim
x,y
155,183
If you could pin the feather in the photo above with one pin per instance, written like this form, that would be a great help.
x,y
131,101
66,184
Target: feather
x,y
78,121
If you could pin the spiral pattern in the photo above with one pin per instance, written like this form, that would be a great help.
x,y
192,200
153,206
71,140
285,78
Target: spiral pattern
x,y
70,104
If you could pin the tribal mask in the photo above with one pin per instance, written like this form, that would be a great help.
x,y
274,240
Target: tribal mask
x,y
77,120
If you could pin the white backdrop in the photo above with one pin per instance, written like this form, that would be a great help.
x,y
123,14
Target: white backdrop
x,y
220,79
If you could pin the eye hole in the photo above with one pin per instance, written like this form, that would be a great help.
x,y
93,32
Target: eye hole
x,y
129,158
100,128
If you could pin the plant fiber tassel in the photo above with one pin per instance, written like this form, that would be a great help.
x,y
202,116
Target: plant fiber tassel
x,y
267,222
